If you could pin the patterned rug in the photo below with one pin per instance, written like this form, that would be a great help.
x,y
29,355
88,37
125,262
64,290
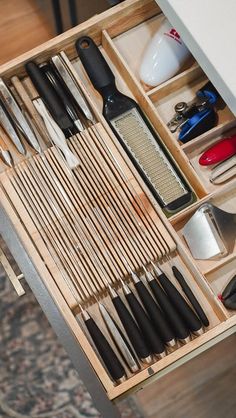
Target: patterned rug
x,y
37,379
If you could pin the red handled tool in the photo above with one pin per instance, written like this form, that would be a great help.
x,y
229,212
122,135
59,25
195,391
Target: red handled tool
x,y
221,151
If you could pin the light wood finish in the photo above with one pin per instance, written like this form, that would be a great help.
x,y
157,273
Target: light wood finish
x,y
23,25
127,16
46,223
128,236
181,80
4,140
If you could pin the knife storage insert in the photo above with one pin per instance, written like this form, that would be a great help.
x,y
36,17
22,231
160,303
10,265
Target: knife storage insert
x,y
93,222
58,215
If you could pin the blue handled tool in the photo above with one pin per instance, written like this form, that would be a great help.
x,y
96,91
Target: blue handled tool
x,y
196,117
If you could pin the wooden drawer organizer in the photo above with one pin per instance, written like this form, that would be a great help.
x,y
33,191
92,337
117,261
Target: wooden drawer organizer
x,y
123,33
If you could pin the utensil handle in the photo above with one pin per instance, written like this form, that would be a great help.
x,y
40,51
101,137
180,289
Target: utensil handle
x,y
155,314
61,89
133,332
192,299
56,134
110,359
48,94
151,337
94,63
187,314
179,327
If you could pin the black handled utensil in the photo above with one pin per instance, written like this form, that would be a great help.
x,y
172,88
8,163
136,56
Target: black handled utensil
x,y
151,337
136,338
179,327
119,339
61,89
51,99
110,359
191,297
135,133
155,314
189,317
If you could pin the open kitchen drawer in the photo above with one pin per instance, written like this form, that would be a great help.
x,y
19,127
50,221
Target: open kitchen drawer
x,y
123,33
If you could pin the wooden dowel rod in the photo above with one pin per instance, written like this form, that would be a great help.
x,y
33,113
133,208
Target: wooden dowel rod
x,y
76,233
44,214
112,197
89,212
21,194
112,222
161,232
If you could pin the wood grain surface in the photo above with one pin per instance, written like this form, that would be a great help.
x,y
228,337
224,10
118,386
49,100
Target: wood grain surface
x,y
23,25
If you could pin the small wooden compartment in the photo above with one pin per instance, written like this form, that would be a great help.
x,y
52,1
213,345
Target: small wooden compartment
x,y
115,31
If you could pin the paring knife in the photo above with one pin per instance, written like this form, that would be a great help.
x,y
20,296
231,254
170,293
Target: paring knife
x,y
62,64
18,117
9,126
135,133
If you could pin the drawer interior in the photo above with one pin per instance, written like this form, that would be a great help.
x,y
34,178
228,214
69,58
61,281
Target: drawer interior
x,y
115,32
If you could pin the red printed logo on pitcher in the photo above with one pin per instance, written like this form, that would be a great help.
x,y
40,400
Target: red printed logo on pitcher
x,y
174,35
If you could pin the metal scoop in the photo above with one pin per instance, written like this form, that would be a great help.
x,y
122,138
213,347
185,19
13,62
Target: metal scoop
x,y
210,232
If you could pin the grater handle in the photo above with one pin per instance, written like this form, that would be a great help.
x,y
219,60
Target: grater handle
x,y
154,312
179,327
50,97
110,359
151,337
187,314
132,329
192,299
94,63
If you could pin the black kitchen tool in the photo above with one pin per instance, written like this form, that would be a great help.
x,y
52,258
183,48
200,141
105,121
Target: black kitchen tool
x,y
135,133
189,317
178,325
110,359
228,296
154,312
151,337
135,336
191,297
196,117
61,89
51,99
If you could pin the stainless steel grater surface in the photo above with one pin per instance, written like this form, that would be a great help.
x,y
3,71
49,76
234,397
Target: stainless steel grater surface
x,y
149,155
